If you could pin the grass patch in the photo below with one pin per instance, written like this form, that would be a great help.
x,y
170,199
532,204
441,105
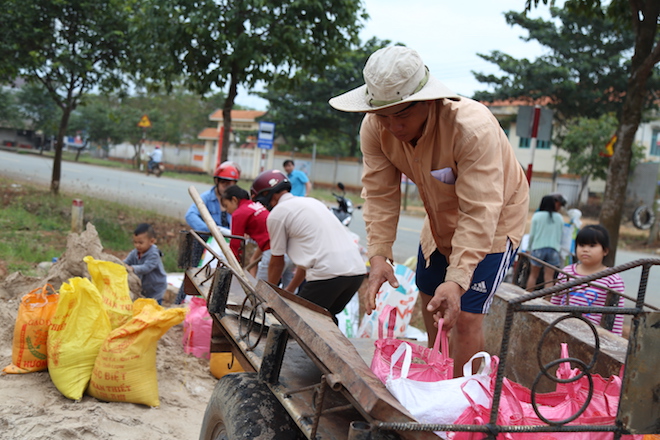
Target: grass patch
x,y
34,226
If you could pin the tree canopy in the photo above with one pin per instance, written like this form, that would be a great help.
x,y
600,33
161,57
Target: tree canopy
x,y
227,43
585,141
641,16
301,111
176,117
68,46
582,74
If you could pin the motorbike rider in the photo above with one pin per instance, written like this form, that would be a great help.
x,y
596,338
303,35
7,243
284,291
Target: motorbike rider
x,y
155,158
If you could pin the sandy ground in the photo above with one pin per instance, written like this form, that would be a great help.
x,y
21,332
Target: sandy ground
x,y
31,407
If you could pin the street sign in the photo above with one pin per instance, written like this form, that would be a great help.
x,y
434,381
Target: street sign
x,y
266,135
527,123
144,122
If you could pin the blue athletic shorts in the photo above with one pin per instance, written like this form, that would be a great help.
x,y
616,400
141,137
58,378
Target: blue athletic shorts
x,y
487,277
549,255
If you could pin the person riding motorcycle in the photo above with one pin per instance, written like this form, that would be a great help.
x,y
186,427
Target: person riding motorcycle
x,y
155,158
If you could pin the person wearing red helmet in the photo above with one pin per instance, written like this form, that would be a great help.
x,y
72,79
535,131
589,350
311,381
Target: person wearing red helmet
x,y
225,175
303,228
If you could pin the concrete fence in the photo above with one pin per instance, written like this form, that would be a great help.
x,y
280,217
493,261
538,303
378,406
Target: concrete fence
x,y
322,171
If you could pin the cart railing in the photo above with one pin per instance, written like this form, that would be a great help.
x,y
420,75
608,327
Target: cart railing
x,y
638,411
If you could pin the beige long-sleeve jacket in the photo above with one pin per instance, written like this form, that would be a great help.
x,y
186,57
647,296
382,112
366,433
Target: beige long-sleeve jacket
x,y
487,204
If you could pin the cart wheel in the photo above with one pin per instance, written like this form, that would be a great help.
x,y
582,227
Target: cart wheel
x,y
243,408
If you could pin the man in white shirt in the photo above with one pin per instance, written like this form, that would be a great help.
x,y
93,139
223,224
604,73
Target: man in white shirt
x,y
318,244
155,157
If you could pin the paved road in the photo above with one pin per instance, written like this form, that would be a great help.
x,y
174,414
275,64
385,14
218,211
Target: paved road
x,y
170,196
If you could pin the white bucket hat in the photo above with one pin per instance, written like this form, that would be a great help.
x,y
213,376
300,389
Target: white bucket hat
x,y
393,75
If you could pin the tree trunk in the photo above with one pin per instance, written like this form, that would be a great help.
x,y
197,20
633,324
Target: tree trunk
x,y
584,182
136,157
57,161
226,116
643,60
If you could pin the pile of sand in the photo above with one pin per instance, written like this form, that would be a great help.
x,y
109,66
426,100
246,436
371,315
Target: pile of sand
x,y
31,407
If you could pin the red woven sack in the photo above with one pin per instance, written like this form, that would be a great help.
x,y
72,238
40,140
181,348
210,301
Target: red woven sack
x,y
429,364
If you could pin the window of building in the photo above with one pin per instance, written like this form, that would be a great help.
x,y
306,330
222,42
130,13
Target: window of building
x,y
541,145
655,140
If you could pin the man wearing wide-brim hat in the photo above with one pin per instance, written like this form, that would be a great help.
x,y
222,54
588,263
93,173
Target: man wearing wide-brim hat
x,y
474,191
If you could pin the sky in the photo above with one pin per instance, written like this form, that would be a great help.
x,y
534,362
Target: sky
x,y
448,35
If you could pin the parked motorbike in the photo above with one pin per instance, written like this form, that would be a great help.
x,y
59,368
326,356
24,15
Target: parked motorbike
x,y
344,209
155,168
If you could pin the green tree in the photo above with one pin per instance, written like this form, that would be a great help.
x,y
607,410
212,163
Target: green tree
x,y
583,73
9,110
176,117
584,140
68,46
301,111
642,17
37,108
227,43
99,118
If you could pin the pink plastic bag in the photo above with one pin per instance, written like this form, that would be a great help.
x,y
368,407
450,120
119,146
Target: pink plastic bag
x,y
437,365
516,407
197,329
443,401
604,401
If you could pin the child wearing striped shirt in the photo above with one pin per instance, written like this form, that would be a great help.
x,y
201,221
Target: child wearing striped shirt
x,y
592,245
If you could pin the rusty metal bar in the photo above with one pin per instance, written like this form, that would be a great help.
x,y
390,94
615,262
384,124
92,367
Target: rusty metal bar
x,y
359,431
496,429
217,301
646,263
271,363
318,406
639,407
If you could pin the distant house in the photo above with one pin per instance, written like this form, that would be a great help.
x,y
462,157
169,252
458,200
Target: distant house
x,y
203,156
244,126
546,153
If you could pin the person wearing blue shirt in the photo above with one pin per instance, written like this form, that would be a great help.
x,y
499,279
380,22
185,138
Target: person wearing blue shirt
x,y
145,261
226,175
300,184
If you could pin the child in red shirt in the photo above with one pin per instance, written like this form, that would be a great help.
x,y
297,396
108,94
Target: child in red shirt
x,y
249,218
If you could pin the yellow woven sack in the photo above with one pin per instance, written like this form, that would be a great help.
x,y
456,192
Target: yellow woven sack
x,y
111,279
125,369
78,328
35,311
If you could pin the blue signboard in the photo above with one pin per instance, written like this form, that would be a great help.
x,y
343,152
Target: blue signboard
x,y
266,135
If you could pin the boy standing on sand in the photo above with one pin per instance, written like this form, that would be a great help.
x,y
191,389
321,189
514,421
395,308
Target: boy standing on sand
x,y
145,261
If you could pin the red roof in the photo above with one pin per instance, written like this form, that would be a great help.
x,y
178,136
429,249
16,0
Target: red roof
x,y
208,133
518,102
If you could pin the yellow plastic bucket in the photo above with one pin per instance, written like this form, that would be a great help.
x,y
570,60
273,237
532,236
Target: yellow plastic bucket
x,y
220,364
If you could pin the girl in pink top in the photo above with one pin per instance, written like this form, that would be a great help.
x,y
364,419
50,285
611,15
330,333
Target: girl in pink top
x,y
592,245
